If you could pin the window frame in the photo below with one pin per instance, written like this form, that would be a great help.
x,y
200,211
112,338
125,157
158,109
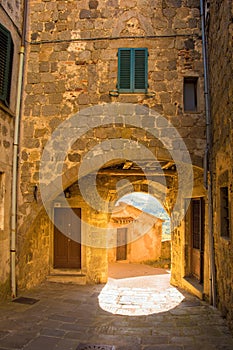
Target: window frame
x,y
224,220
132,68
6,59
197,225
194,81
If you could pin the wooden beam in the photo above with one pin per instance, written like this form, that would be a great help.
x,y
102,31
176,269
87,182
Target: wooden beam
x,y
132,172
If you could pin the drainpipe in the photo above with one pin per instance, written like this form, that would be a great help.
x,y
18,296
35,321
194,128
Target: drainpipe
x,y
15,154
208,161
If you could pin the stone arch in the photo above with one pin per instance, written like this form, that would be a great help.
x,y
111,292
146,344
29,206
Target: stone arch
x,y
117,124
144,22
157,190
113,142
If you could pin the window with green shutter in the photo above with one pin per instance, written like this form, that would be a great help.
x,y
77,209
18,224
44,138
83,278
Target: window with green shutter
x,y
132,70
6,58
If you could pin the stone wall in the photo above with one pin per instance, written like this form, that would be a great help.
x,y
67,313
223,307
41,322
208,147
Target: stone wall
x,y
72,65
166,250
6,130
11,20
220,30
14,9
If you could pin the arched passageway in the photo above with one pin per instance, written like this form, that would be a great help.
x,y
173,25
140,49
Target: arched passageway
x,y
87,168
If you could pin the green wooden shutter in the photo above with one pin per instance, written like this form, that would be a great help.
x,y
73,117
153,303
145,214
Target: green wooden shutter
x,y
132,70
6,57
124,69
140,70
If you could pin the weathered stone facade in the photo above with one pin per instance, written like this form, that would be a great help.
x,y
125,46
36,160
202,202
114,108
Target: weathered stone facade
x,y
12,22
220,30
72,65
71,76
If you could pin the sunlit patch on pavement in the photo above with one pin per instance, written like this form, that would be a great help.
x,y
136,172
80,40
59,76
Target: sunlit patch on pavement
x,y
138,296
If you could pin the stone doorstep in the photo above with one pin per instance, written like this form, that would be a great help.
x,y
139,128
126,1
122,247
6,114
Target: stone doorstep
x,y
65,271
67,276
193,287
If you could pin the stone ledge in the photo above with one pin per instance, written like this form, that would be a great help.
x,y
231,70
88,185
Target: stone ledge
x,y
67,276
193,286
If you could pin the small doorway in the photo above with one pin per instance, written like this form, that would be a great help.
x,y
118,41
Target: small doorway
x,y
121,244
67,238
197,238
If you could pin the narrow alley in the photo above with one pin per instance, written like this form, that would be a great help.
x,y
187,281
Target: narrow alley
x,y
68,316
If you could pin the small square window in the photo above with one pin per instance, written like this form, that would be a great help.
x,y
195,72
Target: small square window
x,y
190,94
224,212
132,70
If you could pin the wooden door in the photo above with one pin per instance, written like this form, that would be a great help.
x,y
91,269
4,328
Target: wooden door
x,y
121,244
197,239
67,238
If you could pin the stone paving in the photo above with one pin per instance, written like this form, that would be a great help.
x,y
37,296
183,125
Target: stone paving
x,y
68,315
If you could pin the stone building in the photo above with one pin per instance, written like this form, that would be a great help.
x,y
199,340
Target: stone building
x,y
219,29
138,235
10,40
113,103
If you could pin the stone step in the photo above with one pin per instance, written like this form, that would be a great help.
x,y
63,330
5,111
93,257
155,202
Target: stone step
x,y
62,277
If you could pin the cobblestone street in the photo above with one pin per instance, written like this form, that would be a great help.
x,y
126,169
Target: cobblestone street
x,y
68,315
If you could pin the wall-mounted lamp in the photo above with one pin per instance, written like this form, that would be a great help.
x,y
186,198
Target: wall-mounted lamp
x,y
67,193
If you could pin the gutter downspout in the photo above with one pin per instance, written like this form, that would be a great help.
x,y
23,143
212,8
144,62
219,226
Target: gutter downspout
x,y
208,162
15,154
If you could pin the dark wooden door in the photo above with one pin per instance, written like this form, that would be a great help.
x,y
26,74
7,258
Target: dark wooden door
x,y
67,238
121,244
197,241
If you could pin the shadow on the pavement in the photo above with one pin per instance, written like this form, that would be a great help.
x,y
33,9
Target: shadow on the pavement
x,y
126,270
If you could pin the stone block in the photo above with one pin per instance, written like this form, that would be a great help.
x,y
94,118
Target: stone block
x,y
83,99
74,157
165,97
50,110
55,98
84,55
173,3
179,24
85,14
49,88
40,132
31,143
193,3
33,78
169,12
6,144
44,67
93,4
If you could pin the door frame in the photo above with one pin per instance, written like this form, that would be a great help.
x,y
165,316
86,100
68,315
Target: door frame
x,y
51,249
64,241
189,239
125,245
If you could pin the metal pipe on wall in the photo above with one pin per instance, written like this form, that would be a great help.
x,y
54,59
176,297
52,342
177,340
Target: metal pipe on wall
x,y
15,154
208,163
